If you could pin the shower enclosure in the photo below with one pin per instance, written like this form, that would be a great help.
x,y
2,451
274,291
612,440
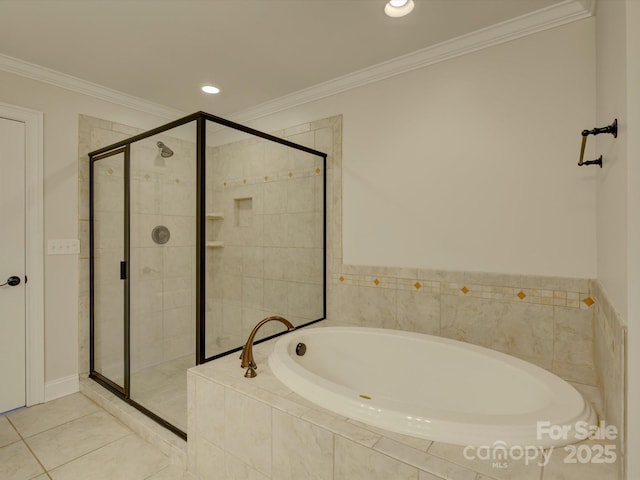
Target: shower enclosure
x,y
198,230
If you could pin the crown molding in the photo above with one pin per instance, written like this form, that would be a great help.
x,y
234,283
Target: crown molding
x,y
543,19
69,82
537,21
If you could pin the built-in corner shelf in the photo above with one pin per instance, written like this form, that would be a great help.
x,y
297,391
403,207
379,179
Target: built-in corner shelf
x,y
215,216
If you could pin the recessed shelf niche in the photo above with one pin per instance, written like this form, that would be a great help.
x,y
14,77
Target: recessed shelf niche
x,y
215,216
244,211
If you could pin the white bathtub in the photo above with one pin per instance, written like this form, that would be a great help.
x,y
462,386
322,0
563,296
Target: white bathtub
x,y
429,387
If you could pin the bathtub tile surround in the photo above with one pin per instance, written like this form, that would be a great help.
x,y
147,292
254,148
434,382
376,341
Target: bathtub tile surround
x,y
353,461
544,320
610,353
290,437
291,434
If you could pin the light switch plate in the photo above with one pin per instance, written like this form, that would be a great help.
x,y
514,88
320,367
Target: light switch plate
x,y
67,246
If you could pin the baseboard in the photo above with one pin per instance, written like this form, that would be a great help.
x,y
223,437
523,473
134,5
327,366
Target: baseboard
x,y
61,387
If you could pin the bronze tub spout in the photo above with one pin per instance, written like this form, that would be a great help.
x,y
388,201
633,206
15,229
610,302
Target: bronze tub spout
x,y
247,351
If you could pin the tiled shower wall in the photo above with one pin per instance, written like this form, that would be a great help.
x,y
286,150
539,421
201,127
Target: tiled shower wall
x,y
270,256
163,193
162,276
266,229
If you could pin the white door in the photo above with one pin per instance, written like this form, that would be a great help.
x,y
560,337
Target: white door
x,y
12,264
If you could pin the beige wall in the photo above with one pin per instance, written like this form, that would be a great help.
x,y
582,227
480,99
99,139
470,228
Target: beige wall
x,y
618,200
611,184
61,109
633,235
470,164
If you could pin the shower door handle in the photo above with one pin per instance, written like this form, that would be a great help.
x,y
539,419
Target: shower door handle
x,y
11,281
123,270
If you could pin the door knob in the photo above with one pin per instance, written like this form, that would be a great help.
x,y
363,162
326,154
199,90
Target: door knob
x,y
11,281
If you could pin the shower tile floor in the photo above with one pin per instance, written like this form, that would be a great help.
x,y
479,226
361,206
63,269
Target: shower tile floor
x,y
163,389
72,438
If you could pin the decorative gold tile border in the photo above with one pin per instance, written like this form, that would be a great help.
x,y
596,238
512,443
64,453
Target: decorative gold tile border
x,y
515,294
274,177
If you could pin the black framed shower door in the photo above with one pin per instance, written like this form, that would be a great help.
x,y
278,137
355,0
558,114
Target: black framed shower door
x,y
110,263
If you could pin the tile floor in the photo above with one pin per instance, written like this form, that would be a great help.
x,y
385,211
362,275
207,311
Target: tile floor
x,y
162,389
72,438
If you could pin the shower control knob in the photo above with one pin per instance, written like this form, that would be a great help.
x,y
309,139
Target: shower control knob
x,y
11,281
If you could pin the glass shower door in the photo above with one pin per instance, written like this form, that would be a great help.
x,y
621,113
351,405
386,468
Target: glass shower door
x,y
109,297
163,272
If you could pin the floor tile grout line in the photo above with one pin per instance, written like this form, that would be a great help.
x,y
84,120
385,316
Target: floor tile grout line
x,y
157,472
47,473
57,426
29,448
64,423
91,451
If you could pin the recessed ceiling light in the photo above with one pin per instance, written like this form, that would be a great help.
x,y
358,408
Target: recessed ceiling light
x,y
398,8
210,89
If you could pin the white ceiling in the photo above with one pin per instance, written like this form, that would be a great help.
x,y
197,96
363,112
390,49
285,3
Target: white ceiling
x,y
254,50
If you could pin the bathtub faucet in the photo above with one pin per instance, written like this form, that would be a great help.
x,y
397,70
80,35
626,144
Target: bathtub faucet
x,y
247,352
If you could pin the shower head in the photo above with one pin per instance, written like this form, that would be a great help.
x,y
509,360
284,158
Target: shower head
x,y
165,151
